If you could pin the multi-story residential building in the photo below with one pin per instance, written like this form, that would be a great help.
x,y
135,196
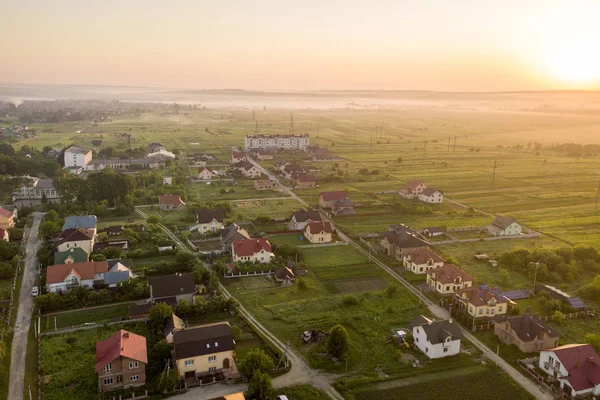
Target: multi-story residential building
x,y
277,142
77,157
481,301
33,192
60,278
121,361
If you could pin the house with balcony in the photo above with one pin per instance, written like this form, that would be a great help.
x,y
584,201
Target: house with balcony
x,y
421,260
480,301
62,277
576,368
436,339
121,361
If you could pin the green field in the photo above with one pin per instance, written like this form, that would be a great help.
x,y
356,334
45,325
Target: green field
x,y
74,318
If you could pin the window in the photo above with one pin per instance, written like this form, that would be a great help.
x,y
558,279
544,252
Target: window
x,y
500,308
108,368
212,358
108,381
189,362
134,365
134,378
208,345
417,339
216,344
480,311
445,349
426,349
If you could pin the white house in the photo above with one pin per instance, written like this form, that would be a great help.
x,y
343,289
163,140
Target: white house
x,y
413,189
77,157
436,339
421,260
60,278
251,171
430,195
208,220
252,250
76,237
301,218
238,156
504,226
204,174
575,366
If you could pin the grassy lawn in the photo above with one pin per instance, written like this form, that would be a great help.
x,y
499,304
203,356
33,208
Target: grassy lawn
x,y
74,318
302,393
133,218
273,209
227,190
289,240
510,353
574,330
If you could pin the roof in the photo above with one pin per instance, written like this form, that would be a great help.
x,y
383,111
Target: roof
x,y
206,215
345,202
429,191
77,150
77,253
83,270
74,235
480,295
202,340
238,154
423,255
174,322
503,222
517,294
284,273
306,178
304,215
318,227
121,344
330,196
172,199
101,246
438,331
404,240
229,232
172,285
5,213
576,302
80,221
582,363
448,273
44,184
527,327
118,262
201,170
113,277
413,184
248,247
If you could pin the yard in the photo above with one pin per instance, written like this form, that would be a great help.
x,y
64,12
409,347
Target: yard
x,y
74,318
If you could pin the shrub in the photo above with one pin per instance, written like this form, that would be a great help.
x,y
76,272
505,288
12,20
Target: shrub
x,y
350,301
338,342
256,361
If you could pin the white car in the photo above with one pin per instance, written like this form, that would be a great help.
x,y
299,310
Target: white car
x,y
35,291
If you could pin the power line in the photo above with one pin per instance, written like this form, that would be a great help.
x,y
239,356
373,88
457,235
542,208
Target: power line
x,y
494,175
597,195
455,143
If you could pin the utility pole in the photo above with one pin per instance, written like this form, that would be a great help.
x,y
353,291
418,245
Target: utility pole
x,y
448,144
371,144
256,125
292,123
494,175
424,149
455,143
537,264
597,194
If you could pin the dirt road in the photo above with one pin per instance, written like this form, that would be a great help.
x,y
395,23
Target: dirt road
x,y
19,344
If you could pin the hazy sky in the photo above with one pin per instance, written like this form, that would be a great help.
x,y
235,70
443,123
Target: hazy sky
x,y
477,45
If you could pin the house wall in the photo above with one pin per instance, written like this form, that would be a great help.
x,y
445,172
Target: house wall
x,y
324,204
420,268
251,173
487,311
201,364
507,335
189,297
212,226
305,185
7,222
550,364
86,245
322,237
436,198
297,226
205,175
434,350
77,160
447,288
262,257
120,368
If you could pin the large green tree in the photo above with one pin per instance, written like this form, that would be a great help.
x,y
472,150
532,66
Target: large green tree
x,y
260,387
256,360
338,343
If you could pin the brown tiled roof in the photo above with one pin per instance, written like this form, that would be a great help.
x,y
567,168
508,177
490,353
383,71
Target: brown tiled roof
x,y
479,296
318,227
423,255
202,340
121,344
248,247
5,213
238,154
582,363
74,235
503,222
448,273
306,178
413,184
172,285
329,196
172,199
84,270
528,327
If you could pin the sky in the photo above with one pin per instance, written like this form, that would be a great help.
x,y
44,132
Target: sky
x,y
446,45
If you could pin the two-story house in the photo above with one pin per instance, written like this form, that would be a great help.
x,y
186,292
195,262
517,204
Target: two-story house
x,y
430,195
252,250
251,171
238,157
87,222
170,202
413,189
326,199
204,174
318,232
436,339
448,278
208,220
305,181
62,277
264,184
70,256
76,237
481,301
526,331
121,361
396,243
204,349
576,367
301,218
7,218
232,233
172,289
504,226
421,260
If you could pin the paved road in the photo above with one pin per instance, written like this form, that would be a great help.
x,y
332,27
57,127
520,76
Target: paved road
x,y
21,331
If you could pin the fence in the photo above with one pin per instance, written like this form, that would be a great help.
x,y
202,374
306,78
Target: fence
x,y
242,275
13,285
545,318
310,246
524,236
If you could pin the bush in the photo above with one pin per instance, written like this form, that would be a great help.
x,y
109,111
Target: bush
x,y
349,301
256,361
6,270
338,342
260,387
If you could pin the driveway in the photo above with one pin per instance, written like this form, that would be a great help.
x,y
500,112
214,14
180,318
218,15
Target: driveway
x,y
21,331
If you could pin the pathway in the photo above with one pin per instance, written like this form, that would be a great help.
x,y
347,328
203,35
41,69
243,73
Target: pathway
x,y
23,322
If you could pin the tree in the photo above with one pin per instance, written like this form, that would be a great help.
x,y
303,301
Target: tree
x,y
558,317
256,360
338,343
593,339
183,308
260,387
8,250
169,381
159,313
504,275
6,270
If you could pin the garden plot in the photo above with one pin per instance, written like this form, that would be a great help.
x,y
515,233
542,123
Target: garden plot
x,y
356,285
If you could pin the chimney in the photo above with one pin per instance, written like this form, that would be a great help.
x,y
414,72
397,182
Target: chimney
x,y
536,316
528,310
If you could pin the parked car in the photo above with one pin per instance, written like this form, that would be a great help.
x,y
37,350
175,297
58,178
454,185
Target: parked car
x,y
35,291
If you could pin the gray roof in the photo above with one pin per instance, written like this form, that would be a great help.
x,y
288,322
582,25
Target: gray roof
x,y
438,331
304,215
230,232
430,191
128,262
205,216
115,277
78,150
45,184
80,221
503,222
528,327
404,240
172,285
202,340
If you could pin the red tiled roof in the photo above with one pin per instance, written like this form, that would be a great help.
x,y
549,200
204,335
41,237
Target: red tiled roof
x,y
239,154
75,235
422,255
479,296
200,170
84,270
248,247
318,227
5,213
329,196
411,185
121,344
306,178
448,274
172,199
582,363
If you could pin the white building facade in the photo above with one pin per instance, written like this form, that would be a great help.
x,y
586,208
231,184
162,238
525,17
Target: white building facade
x,y
77,157
277,142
